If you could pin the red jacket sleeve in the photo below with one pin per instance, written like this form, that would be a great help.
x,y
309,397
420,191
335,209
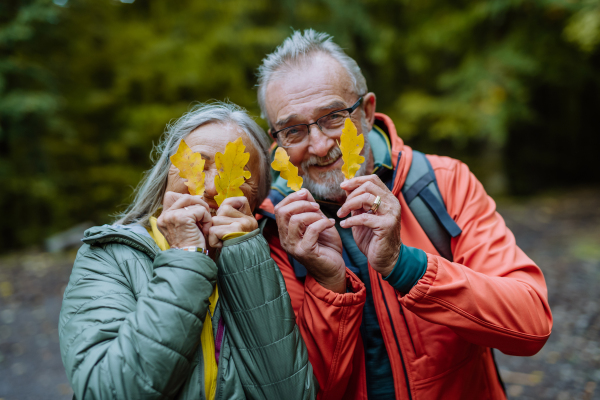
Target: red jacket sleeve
x,y
493,294
329,323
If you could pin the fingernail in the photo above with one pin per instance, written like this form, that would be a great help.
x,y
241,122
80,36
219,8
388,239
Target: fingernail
x,y
332,220
339,212
315,205
343,223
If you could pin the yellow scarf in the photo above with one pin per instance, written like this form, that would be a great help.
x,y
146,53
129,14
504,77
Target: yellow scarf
x,y
206,337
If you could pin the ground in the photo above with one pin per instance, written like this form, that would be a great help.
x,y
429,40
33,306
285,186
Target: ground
x,y
561,233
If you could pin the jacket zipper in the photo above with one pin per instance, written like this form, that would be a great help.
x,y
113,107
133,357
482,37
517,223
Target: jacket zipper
x,y
407,328
396,339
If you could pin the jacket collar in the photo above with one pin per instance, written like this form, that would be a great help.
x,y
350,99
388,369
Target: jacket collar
x,y
129,235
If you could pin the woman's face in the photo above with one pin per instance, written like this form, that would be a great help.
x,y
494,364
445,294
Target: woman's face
x,y
208,140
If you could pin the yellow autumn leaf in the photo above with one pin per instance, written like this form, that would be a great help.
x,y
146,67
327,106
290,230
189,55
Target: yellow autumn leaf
x,y
231,173
191,167
287,170
351,146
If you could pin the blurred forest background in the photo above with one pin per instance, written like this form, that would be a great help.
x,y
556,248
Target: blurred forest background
x,y
512,87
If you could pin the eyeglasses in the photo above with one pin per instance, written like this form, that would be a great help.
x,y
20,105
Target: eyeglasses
x,y
329,124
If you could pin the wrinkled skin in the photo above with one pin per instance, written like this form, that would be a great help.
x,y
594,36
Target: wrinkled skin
x,y
302,94
203,221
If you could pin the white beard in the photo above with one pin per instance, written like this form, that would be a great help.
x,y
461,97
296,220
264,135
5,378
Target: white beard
x,y
328,185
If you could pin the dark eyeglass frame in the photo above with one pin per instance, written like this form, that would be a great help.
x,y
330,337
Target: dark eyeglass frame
x,y
349,109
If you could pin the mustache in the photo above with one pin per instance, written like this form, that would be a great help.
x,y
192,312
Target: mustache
x,y
331,156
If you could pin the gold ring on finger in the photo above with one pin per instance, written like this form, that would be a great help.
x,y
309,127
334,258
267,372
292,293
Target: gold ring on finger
x,y
375,205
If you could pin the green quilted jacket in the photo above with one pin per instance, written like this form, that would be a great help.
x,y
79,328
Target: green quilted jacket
x,y
132,315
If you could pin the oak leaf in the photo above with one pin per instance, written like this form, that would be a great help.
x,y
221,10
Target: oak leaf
x,y
351,146
191,167
231,173
287,170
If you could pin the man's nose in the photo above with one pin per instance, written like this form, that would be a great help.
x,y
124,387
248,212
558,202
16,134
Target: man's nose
x,y
320,143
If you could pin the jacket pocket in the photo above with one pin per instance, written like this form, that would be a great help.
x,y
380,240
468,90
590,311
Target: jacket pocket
x,y
413,331
439,349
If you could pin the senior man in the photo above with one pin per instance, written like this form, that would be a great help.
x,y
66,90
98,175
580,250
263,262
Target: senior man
x,y
412,280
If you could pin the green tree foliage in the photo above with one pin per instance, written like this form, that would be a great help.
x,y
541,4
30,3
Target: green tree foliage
x,y
86,87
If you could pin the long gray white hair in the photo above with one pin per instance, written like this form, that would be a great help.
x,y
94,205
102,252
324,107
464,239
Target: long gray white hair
x,y
150,191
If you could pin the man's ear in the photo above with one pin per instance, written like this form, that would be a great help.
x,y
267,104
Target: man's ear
x,y
369,103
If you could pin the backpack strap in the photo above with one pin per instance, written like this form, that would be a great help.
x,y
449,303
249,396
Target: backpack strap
x,y
424,199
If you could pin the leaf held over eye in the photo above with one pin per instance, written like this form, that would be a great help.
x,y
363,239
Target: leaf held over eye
x,y
351,146
191,167
231,173
287,170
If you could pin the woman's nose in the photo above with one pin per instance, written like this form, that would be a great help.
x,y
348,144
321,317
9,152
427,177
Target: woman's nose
x,y
209,182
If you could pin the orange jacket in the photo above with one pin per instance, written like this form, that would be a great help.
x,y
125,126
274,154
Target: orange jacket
x,y
439,334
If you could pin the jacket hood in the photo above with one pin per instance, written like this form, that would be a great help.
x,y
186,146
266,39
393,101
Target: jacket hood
x,y
121,234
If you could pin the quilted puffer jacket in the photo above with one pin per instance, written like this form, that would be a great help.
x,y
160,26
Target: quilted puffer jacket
x,y
132,315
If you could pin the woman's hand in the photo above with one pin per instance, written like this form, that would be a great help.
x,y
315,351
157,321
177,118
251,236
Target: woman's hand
x,y
234,215
185,220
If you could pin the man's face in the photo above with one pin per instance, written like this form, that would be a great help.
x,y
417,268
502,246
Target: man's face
x,y
303,95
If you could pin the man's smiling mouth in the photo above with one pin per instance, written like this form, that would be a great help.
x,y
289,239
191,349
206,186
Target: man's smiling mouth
x,y
326,163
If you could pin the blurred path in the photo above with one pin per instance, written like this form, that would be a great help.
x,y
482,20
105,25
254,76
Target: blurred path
x,y
561,234
563,237
31,289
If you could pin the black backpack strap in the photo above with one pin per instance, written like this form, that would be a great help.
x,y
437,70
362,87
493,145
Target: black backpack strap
x,y
424,199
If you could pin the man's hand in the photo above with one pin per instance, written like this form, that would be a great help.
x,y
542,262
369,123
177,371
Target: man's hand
x,y
234,215
185,220
312,239
377,235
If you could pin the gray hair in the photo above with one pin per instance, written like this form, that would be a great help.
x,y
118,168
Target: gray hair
x,y
298,47
151,190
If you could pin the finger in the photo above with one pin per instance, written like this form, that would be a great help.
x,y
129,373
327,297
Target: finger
x,y
170,198
215,236
226,210
199,214
238,203
369,187
299,222
313,231
302,194
188,200
247,224
354,183
362,202
298,207
369,220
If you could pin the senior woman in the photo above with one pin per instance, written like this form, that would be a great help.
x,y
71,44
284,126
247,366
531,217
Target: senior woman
x,y
143,317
